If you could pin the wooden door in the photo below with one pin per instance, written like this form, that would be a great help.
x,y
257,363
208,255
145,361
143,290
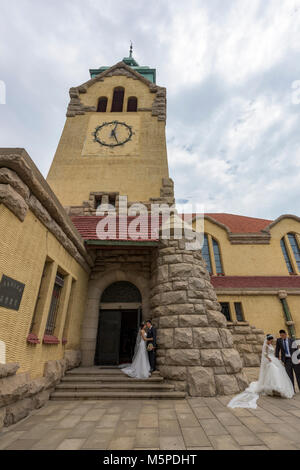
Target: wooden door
x,y
108,343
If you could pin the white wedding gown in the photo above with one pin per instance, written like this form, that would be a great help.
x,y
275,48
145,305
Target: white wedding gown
x,y
140,366
272,377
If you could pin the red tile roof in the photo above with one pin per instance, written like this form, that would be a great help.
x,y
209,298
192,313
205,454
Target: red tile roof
x,y
86,225
252,282
146,231
238,223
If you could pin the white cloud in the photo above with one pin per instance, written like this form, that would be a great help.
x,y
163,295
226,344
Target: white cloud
x,y
233,132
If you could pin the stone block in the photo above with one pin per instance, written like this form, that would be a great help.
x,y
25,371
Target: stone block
x,y
251,360
183,338
242,381
19,410
168,322
173,297
206,338
226,338
216,319
200,309
172,259
245,348
173,372
226,384
232,360
193,320
13,388
197,283
2,417
211,358
8,369
41,398
10,177
165,338
183,357
201,382
73,358
162,273
179,271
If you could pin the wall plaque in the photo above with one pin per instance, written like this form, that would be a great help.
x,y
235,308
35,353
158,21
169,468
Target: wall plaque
x,y
11,293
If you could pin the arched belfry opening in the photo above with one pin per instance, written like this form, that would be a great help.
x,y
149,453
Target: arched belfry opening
x,y
120,314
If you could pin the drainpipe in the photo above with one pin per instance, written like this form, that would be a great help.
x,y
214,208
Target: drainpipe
x,y
287,314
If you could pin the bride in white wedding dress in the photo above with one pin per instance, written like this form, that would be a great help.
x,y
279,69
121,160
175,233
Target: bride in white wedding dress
x,y
272,378
140,366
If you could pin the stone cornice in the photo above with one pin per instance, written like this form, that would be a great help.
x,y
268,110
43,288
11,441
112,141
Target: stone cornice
x,y
23,187
159,106
263,291
283,216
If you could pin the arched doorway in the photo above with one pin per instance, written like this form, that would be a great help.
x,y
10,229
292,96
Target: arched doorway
x,y
119,317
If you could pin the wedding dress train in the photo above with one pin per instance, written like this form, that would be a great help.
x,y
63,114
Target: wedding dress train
x,y
272,378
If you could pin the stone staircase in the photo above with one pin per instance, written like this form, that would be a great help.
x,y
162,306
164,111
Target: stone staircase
x,y
101,383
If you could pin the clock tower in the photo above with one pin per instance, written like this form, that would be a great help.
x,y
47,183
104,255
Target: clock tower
x,y
113,142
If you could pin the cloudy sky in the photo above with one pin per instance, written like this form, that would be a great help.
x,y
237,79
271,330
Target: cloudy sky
x,y
229,66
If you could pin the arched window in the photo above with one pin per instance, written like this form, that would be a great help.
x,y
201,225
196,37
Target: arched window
x,y
206,254
295,248
132,104
102,104
217,255
210,253
286,256
118,99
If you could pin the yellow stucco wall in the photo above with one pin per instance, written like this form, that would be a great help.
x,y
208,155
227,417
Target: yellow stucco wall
x,y
24,247
264,311
136,169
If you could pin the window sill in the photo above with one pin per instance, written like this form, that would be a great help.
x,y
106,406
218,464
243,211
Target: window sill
x,y
48,339
32,339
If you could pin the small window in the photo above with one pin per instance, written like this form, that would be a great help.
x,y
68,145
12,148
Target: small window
x,y
239,311
118,99
295,248
217,255
132,104
102,105
286,256
54,306
226,310
206,254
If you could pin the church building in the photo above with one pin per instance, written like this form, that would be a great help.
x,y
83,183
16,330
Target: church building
x,y
98,246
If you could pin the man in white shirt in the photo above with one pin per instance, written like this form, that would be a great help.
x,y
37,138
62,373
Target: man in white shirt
x,y
284,346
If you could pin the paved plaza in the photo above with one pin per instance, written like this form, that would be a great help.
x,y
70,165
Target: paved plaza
x,y
193,424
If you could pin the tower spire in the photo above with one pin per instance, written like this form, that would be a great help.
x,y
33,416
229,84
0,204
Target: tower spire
x,y
131,49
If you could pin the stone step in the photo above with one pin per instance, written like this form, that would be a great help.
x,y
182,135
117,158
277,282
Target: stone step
x,y
117,395
94,371
116,386
109,378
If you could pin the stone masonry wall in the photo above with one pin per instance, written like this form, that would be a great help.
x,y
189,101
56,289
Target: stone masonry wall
x,y
195,348
19,395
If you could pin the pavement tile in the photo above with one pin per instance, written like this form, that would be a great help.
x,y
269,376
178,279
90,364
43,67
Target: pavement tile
x,y
148,421
276,442
195,437
227,419
121,443
71,444
255,424
243,435
82,430
51,440
99,439
213,427
108,421
21,444
94,415
68,422
255,448
171,443
224,442
169,428
203,412
187,419
7,438
147,438
167,414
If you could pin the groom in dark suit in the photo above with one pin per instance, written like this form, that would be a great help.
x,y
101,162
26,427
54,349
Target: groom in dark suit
x,y
151,339
284,346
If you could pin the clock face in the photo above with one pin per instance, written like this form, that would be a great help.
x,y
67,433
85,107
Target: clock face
x,y
113,134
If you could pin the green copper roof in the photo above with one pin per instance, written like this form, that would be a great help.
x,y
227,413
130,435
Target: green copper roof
x,y
145,71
